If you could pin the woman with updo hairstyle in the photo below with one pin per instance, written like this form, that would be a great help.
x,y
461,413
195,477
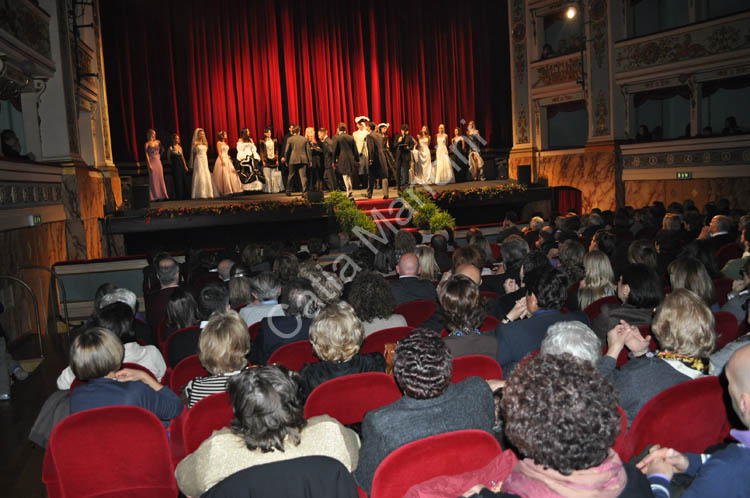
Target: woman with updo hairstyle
x,y
689,273
422,367
373,302
683,327
463,313
96,358
336,335
223,345
562,418
598,281
268,426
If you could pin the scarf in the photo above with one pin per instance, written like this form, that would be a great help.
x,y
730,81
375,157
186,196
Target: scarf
x,y
531,480
700,365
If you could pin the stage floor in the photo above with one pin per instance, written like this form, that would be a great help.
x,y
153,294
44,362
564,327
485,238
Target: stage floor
x,y
359,194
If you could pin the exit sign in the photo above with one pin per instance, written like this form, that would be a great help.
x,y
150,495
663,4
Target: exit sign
x,y
684,175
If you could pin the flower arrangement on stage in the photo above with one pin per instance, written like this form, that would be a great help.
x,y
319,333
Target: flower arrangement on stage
x,y
448,197
347,214
426,212
238,208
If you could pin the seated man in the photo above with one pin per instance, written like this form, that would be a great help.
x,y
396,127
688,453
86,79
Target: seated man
x,y
723,473
431,404
409,287
546,291
266,288
168,273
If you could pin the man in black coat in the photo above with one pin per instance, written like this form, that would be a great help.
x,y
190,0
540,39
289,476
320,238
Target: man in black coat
x,y
329,174
283,165
720,232
409,287
404,144
377,170
345,156
298,156
546,292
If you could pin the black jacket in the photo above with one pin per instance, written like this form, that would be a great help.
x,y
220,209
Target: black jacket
x,y
314,374
275,332
409,289
345,153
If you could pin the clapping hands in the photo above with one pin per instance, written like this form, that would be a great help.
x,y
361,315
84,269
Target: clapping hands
x,y
663,461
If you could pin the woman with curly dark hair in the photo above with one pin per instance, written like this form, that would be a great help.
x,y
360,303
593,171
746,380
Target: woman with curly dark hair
x,y
561,416
462,313
372,300
268,426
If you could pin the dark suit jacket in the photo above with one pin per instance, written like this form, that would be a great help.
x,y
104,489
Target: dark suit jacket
x,y
297,150
272,335
721,240
466,405
327,146
517,339
314,374
376,153
156,307
409,289
345,153
404,147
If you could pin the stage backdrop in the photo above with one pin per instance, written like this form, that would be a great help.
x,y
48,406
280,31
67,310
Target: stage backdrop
x,y
174,65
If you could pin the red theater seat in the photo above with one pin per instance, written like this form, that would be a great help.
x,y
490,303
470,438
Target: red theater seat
x,y
349,398
476,366
416,312
375,342
294,355
208,415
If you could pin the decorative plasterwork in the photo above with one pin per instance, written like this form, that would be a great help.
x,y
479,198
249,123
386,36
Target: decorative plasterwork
x,y
556,71
27,23
17,195
522,126
721,151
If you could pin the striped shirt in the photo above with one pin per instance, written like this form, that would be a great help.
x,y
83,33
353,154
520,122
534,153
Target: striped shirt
x,y
202,387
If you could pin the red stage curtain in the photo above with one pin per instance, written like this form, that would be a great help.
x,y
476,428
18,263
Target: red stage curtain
x,y
225,64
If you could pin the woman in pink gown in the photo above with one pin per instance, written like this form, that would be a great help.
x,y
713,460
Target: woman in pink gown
x,y
157,189
226,179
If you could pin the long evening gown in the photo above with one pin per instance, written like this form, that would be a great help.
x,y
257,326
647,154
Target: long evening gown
x,y
179,175
443,167
247,154
157,189
203,183
226,179
422,162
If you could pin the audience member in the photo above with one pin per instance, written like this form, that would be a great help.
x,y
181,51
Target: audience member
x,y
240,290
327,286
404,243
224,268
689,273
373,302
439,245
182,312
509,227
732,269
286,267
222,347
265,290
462,313
719,232
428,267
268,426
598,281
168,273
121,295
574,338
336,335
409,287
740,294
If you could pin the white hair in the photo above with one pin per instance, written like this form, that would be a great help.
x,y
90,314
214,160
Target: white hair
x,y
575,338
119,295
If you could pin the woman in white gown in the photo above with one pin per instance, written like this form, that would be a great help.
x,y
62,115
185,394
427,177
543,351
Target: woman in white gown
x,y
443,167
203,183
247,155
226,179
269,150
422,162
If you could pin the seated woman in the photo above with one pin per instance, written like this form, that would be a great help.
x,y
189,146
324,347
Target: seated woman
x,y
431,404
372,300
222,347
689,273
182,312
562,418
268,426
462,313
598,280
336,335
96,358
428,267
118,319
240,289
684,328
640,291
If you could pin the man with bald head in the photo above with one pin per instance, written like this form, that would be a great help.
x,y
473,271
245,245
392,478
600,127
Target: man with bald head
x,y
409,287
720,231
470,271
723,473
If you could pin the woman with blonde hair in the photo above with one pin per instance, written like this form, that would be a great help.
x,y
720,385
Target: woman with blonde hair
x,y
156,187
203,182
336,335
428,267
226,179
689,273
598,281
222,347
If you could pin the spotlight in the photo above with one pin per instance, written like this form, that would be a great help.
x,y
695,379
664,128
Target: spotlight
x,y
572,12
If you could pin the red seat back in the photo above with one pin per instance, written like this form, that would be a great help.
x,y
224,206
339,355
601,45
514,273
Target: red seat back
x,y
489,295
134,366
208,415
495,248
620,444
165,345
726,328
416,312
185,371
294,355
160,331
723,287
349,398
425,459
476,366
375,342
490,323
110,451
688,417
728,251
594,309
254,330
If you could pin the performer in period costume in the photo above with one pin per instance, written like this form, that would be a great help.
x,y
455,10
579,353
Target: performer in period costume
x,y
345,156
157,189
203,182
251,174
179,168
269,156
404,145
298,158
226,179
377,170
460,154
443,167
475,142
329,173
